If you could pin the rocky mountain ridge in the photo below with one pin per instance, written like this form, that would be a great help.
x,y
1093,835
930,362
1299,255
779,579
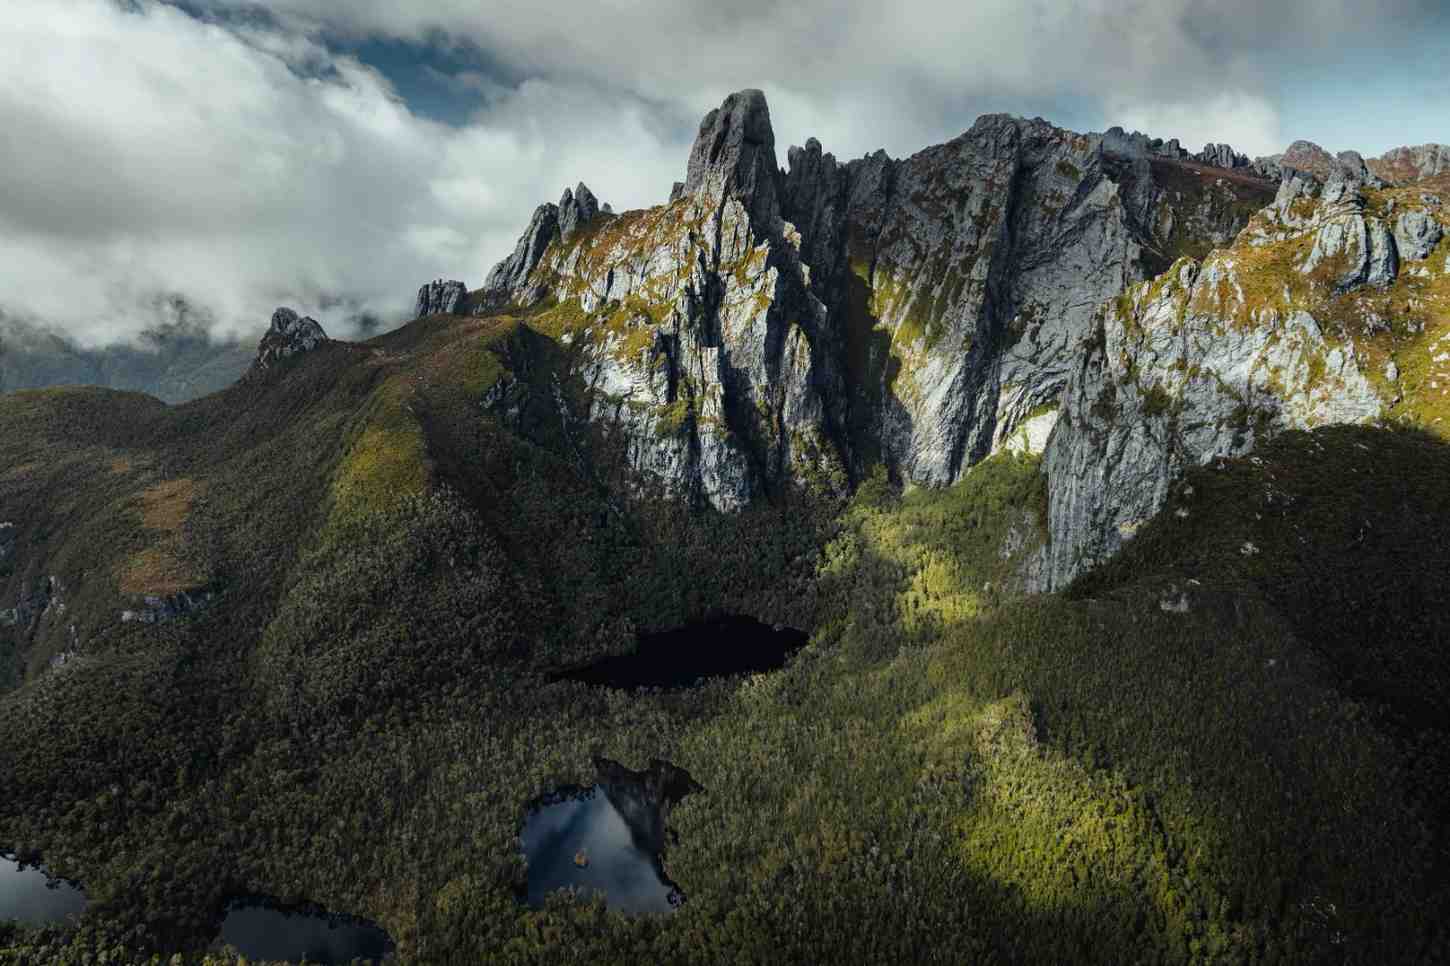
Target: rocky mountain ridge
x,y
770,327
774,325
1312,317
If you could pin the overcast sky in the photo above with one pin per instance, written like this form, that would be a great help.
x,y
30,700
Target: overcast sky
x,y
333,155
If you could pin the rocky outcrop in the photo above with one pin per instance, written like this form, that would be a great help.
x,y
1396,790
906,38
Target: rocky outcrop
x,y
288,335
1119,143
440,298
1409,164
773,326
577,208
734,155
702,346
1417,233
1276,332
1176,376
164,609
509,276
1308,157
8,536
1221,156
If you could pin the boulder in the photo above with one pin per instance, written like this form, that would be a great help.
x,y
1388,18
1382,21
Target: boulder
x,y
1416,234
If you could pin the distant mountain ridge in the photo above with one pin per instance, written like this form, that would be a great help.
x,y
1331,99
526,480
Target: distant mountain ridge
x,y
174,361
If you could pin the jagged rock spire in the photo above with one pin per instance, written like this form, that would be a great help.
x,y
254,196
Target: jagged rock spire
x,y
576,209
734,152
509,279
289,334
509,275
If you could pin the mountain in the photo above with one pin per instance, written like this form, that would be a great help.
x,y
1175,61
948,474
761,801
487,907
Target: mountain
x,y
1403,165
173,361
1109,483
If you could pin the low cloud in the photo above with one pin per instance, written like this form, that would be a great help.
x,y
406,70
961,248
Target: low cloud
x,y
243,169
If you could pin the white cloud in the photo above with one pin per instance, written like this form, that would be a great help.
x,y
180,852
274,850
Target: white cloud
x,y
1250,123
161,154
245,164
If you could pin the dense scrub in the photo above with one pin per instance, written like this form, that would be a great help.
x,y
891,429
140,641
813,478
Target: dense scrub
x,y
1200,753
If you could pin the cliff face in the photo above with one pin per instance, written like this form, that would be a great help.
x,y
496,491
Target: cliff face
x,y
769,326
1330,308
802,325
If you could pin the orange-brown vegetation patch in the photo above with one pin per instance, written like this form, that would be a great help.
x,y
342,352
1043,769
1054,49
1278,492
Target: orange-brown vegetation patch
x,y
163,568
165,505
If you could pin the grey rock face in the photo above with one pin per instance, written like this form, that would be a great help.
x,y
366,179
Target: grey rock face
x,y
1221,156
162,610
440,298
288,335
38,599
1408,164
1270,168
1308,157
1175,380
1360,248
8,536
576,208
722,397
924,311
511,275
734,153
1417,234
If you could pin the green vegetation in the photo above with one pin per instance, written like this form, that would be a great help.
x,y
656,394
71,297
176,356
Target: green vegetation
x,y
947,773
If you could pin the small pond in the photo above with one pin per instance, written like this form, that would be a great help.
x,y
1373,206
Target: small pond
x,y
678,658
261,928
32,897
607,838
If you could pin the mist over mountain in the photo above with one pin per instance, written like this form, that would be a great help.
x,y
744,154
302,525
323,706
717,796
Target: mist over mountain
x,y
174,362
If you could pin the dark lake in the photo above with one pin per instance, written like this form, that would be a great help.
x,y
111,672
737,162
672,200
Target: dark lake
x,y
29,895
608,838
678,658
261,929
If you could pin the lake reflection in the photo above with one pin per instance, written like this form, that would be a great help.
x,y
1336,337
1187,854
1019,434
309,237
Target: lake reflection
x,y
261,930
608,838
29,896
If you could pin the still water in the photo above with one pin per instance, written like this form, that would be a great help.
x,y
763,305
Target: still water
x,y
261,929
678,658
28,895
608,838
